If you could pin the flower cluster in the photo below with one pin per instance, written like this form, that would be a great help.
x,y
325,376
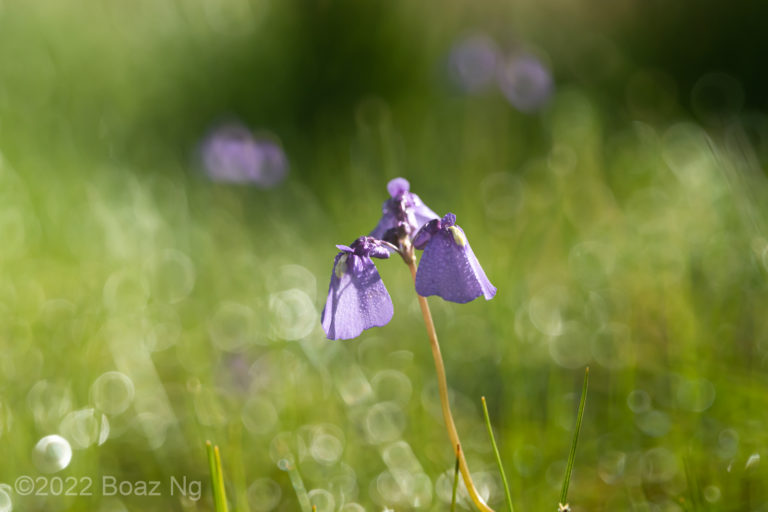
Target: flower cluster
x,y
357,298
232,154
523,78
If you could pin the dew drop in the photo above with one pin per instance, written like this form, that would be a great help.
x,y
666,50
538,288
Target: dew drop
x,y
51,454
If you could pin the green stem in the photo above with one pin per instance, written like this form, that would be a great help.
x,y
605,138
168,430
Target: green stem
x,y
498,456
442,385
298,487
572,455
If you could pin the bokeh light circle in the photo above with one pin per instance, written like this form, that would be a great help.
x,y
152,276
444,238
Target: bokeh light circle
x,y
112,392
264,494
51,454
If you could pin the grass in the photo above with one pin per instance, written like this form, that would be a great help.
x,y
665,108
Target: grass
x,y
576,431
144,309
217,478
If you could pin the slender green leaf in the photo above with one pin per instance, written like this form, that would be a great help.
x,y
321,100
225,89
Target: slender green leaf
x,y
222,493
498,457
572,455
217,478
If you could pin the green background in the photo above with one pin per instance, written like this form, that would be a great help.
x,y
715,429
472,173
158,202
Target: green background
x,y
623,224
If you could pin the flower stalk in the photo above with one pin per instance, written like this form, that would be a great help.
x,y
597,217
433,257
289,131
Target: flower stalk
x,y
358,300
442,385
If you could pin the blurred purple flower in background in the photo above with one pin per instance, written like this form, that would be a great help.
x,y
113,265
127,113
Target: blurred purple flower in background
x,y
473,62
231,154
526,82
448,267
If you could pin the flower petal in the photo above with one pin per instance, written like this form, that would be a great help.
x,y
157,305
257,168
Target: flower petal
x,y
425,233
398,186
450,270
357,298
403,208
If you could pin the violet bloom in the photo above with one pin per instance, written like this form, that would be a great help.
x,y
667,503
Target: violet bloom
x,y
231,154
448,267
402,209
526,82
473,62
357,298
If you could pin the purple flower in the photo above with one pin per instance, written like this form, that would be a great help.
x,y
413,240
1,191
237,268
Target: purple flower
x,y
357,298
473,62
448,267
402,209
526,82
231,154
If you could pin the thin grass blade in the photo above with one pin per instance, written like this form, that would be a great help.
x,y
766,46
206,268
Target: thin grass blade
x,y
222,493
214,477
507,495
572,454
455,478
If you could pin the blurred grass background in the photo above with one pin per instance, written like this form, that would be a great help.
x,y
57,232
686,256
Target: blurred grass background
x,y
146,308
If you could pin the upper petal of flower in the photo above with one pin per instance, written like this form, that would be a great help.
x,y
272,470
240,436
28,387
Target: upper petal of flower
x,y
402,208
398,187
